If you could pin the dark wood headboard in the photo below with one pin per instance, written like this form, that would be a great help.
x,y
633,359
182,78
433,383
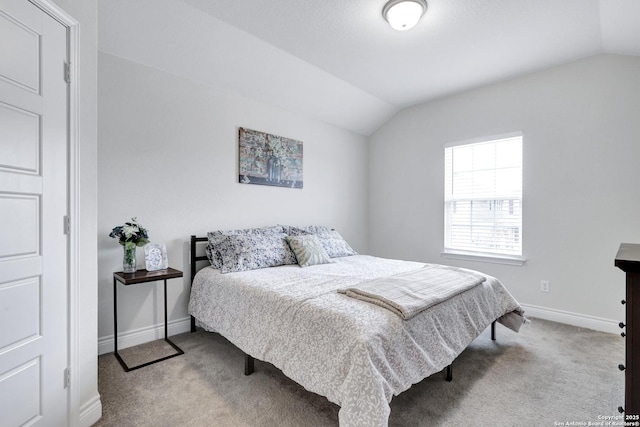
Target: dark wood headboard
x,y
193,259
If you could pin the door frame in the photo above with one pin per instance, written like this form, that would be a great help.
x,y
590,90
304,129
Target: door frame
x,y
73,208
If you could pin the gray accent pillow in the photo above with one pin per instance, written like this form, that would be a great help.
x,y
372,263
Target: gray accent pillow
x,y
329,238
308,250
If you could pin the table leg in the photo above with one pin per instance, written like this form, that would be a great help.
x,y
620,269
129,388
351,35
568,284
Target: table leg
x,y
115,315
165,310
166,335
115,326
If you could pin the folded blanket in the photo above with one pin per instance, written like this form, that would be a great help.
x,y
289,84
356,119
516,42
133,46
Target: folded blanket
x,y
407,294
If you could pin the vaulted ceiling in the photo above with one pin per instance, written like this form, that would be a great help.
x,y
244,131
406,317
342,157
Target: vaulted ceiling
x,y
339,62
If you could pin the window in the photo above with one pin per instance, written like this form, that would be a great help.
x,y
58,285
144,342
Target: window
x,y
483,198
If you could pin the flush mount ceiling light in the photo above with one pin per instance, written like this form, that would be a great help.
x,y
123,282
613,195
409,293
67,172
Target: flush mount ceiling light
x,y
403,15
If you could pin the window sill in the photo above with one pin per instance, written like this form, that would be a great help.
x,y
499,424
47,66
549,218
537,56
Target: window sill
x,y
483,257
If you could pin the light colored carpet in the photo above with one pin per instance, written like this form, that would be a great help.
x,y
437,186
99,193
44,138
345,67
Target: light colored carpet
x,y
548,373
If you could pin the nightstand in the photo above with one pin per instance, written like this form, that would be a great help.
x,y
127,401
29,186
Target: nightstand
x,y
142,276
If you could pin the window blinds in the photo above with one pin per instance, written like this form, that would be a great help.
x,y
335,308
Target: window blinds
x,y
483,197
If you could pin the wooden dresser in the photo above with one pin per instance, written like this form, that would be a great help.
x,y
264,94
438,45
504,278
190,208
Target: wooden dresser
x,y
628,260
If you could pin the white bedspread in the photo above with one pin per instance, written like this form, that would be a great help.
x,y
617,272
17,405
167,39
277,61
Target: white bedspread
x,y
357,354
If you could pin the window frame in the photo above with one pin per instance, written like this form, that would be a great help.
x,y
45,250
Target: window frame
x,y
484,256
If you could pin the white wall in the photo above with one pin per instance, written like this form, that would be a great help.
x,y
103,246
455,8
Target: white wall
x,y
581,181
87,409
168,155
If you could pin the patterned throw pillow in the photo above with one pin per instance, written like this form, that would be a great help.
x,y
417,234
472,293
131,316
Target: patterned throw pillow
x,y
308,250
216,237
330,239
253,251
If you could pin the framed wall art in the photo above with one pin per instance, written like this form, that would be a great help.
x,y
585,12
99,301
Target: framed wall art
x,y
267,159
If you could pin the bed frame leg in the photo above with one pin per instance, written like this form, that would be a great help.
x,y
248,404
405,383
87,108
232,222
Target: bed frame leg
x,y
193,324
248,364
450,367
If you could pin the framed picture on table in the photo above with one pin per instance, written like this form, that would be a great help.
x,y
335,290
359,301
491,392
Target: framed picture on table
x,y
155,256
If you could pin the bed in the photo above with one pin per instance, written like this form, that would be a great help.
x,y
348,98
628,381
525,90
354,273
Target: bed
x,y
355,353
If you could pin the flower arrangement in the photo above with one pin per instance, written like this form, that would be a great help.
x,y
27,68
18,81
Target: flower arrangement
x,y
130,235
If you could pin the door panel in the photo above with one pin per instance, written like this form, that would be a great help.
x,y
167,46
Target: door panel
x,y
23,313
21,133
20,217
23,397
21,62
33,203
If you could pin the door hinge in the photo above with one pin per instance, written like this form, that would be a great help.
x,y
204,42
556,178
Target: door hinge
x,y
67,378
67,224
67,72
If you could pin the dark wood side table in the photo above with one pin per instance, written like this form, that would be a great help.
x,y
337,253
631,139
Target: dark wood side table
x,y
628,260
142,276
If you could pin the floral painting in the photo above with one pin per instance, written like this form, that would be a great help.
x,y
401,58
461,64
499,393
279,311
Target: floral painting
x,y
267,159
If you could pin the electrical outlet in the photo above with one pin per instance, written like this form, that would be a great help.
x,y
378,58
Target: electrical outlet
x,y
544,286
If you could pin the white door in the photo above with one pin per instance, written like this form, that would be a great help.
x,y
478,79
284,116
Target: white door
x,y
33,204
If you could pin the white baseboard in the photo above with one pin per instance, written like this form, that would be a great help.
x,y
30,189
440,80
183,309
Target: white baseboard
x,y
143,335
90,412
575,319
